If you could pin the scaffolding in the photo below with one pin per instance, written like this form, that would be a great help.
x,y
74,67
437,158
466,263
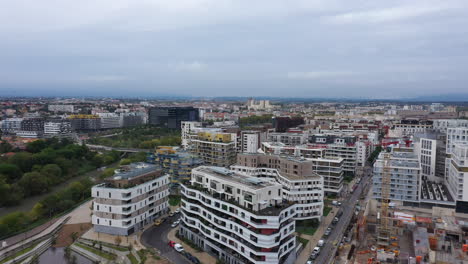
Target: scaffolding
x,y
385,229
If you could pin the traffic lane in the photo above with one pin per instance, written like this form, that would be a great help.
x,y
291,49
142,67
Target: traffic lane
x,y
338,231
156,236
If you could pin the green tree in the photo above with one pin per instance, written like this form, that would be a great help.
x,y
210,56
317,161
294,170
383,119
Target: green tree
x,y
36,146
34,183
22,160
11,171
52,172
5,147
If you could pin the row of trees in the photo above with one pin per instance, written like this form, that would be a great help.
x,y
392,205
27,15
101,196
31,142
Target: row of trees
x,y
145,137
48,207
45,163
255,120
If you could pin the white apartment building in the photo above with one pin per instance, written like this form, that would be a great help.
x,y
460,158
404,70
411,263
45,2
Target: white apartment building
x,y
408,129
110,120
62,108
12,125
457,177
300,183
129,200
442,125
57,128
288,138
188,128
241,219
250,141
363,151
405,177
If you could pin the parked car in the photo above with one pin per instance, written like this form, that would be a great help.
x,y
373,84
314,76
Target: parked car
x,y
339,214
171,243
321,242
178,247
175,224
335,220
327,232
171,214
177,211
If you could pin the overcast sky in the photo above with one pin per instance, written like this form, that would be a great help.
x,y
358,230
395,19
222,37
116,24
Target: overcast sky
x,y
290,48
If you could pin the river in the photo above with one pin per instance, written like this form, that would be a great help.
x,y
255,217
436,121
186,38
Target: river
x,y
56,256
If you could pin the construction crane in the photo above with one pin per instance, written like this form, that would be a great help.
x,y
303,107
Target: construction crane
x,y
385,228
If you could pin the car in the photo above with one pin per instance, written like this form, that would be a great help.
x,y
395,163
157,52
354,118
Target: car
x,y
159,221
313,255
171,243
339,214
178,247
310,262
321,242
177,211
327,232
335,220
316,250
171,214
175,224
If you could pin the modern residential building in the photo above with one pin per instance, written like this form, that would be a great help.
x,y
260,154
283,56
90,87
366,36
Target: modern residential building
x,y
85,122
188,129
178,164
411,126
441,125
171,117
291,139
457,177
239,218
215,148
109,120
11,125
133,119
405,176
430,148
57,128
129,200
250,141
301,184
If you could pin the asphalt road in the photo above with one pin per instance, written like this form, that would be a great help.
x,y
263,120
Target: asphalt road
x,y
327,252
156,237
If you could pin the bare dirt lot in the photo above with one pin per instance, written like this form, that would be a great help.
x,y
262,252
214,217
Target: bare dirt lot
x,y
65,235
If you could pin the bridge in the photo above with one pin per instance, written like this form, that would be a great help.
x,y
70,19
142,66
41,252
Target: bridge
x,y
101,147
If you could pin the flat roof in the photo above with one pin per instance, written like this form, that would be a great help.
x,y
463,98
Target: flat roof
x,y
135,170
234,177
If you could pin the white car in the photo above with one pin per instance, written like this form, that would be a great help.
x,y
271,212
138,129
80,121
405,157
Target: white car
x,y
177,210
316,250
178,247
174,224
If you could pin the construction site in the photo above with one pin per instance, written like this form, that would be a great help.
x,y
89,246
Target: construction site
x,y
385,231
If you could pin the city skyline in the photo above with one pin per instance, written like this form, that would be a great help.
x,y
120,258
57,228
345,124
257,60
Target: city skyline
x,y
306,49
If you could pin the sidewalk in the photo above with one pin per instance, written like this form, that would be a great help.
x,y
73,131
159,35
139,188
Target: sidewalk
x,y
50,229
204,257
313,240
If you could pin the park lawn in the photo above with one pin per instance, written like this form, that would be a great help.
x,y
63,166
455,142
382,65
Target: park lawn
x,y
306,230
326,210
119,248
307,227
19,253
132,258
174,200
303,241
96,251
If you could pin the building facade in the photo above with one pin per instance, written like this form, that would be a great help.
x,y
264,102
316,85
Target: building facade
x,y
300,183
239,218
132,198
171,117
